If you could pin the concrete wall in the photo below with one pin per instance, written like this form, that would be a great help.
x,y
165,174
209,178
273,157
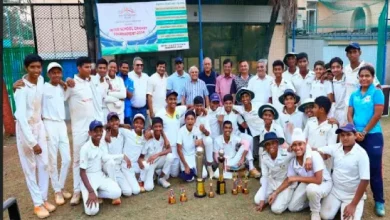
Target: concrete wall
x,y
278,46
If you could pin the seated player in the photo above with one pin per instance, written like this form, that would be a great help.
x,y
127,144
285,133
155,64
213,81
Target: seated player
x,y
94,182
236,149
274,166
157,154
310,186
351,175
188,139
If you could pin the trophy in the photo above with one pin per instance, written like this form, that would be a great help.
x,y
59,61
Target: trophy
x,y
171,198
200,190
239,185
234,189
183,196
221,185
245,189
211,192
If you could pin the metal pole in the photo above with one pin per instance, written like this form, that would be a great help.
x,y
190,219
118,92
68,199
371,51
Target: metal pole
x,y
99,51
385,50
200,36
293,37
34,28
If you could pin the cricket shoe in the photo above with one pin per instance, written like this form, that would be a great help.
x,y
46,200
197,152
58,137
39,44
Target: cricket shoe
x,y
41,212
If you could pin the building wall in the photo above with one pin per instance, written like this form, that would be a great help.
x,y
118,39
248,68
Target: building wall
x,y
278,47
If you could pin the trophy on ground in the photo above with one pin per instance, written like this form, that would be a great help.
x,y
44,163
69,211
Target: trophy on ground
x,y
183,196
245,190
239,185
211,191
200,190
234,189
171,198
221,185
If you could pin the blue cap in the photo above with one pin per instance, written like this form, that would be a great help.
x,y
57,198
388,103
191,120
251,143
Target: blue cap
x,y
94,124
215,97
352,45
271,136
346,128
289,92
112,114
179,60
171,92
187,177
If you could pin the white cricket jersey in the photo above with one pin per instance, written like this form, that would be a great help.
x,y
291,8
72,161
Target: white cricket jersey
x,y
213,121
102,88
172,124
229,148
157,88
140,87
320,89
275,127
91,157
134,144
303,85
289,122
203,120
251,117
261,88
153,146
233,118
295,169
114,99
277,91
319,135
187,139
53,102
286,75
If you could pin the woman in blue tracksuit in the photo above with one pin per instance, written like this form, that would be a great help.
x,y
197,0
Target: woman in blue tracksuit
x,y
365,110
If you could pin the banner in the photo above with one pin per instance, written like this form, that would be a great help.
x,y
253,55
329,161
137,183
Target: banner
x,y
142,27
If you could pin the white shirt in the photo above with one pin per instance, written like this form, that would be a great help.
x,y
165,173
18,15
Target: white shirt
x,y
252,118
295,169
53,102
340,92
28,100
187,139
320,89
233,118
153,146
213,121
275,127
92,157
277,91
203,120
286,75
157,88
81,106
140,87
289,122
261,88
348,169
319,135
133,144
303,85
102,88
115,147
115,94
228,148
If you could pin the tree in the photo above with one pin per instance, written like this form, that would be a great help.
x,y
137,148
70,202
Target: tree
x,y
289,9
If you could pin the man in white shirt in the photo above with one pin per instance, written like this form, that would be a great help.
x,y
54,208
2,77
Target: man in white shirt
x,y
138,101
116,94
260,84
321,87
303,80
100,82
157,89
53,114
31,136
351,175
279,84
340,106
212,114
290,60
94,182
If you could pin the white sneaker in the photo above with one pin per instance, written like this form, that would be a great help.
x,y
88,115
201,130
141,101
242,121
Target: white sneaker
x,y
315,216
164,183
75,199
193,178
211,172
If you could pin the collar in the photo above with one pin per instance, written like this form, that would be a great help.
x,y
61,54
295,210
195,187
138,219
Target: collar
x,y
370,89
249,76
270,129
296,164
158,75
352,151
29,84
258,78
362,63
281,82
177,74
284,110
228,77
136,75
170,116
223,139
77,78
212,74
341,80
196,81
92,146
124,77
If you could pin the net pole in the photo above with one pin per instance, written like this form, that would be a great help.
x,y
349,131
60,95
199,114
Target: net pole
x,y
200,36
385,49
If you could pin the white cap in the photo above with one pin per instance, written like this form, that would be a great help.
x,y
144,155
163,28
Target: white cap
x,y
298,135
53,65
139,116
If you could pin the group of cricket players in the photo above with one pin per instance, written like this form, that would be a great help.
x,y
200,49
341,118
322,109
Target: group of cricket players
x,y
306,158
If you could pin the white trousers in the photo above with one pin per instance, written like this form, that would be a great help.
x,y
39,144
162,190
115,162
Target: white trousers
x,y
31,163
175,166
114,171
341,116
164,163
106,112
191,161
79,139
128,178
232,162
331,204
58,141
309,195
208,144
282,200
103,186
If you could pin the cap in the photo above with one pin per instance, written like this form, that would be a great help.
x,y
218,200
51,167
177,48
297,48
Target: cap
x,y
352,45
268,107
187,177
171,92
346,128
94,124
53,65
179,60
289,54
305,103
139,115
243,90
289,92
112,114
270,136
214,97
297,135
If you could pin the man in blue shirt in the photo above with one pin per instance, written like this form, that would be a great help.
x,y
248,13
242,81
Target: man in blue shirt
x,y
178,79
129,84
208,75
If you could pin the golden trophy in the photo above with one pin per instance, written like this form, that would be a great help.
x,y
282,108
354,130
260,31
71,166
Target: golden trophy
x,y
211,192
171,198
221,185
234,189
245,190
239,185
183,196
200,190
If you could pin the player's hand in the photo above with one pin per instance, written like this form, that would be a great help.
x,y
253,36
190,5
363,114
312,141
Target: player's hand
x,y
359,136
92,200
349,211
152,158
63,84
148,134
261,206
18,84
37,149
126,126
198,142
308,164
187,169
204,111
272,198
244,125
241,162
70,82
128,162
220,118
333,121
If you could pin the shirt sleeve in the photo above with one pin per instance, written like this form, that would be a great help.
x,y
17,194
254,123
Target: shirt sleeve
x,y
290,170
67,94
233,88
205,90
364,166
179,137
318,162
330,149
379,98
328,87
84,157
351,100
130,85
145,149
263,180
279,131
217,144
21,116
150,86
290,86
169,83
331,135
121,94
181,110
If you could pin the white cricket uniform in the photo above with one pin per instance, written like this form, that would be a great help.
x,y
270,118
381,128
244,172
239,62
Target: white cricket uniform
x,y
207,140
277,91
286,75
152,147
53,114
114,100
140,89
251,117
261,88
348,170
289,122
30,131
187,140
303,85
171,128
276,128
157,88
84,108
320,89
91,160
102,89
213,121
233,152
339,107
309,194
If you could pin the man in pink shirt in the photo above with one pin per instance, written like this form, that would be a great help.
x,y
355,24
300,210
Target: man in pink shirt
x,y
224,81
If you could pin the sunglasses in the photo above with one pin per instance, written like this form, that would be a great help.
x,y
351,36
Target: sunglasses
x,y
139,65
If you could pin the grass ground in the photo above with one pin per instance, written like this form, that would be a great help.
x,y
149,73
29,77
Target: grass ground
x,y
154,205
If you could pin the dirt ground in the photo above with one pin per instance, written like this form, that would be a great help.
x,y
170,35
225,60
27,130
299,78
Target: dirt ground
x,y
154,205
